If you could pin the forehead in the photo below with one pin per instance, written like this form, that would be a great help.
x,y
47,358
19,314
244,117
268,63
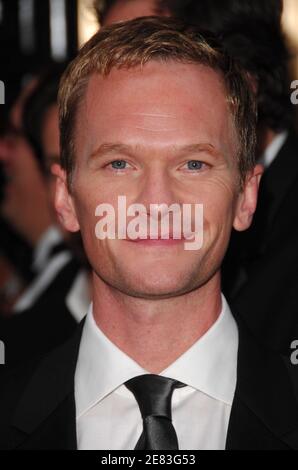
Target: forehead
x,y
156,103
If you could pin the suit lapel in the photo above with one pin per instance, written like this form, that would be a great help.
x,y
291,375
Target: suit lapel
x,y
45,416
265,410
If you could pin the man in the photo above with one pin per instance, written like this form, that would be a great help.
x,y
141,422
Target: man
x,y
259,273
25,204
48,311
149,112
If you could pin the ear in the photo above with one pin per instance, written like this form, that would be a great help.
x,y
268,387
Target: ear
x,y
247,200
63,201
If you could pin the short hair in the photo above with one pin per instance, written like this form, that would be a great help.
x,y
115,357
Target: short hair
x,y
251,32
133,44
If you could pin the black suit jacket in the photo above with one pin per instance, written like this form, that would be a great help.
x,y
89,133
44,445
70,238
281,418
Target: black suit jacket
x,y
260,274
37,406
46,324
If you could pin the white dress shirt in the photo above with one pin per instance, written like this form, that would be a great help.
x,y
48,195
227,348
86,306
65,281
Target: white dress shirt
x,y
107,414
46,266
273,148
51,237
78,298
42,281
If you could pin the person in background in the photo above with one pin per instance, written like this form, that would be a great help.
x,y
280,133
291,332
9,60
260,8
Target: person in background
x,y
216,15
24,204
24,212
113,11
57,299
15,270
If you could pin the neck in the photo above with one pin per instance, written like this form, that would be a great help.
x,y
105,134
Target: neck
x,y
155,332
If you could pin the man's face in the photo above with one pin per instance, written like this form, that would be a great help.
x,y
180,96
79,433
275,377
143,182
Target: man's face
x,y
163,134
124,10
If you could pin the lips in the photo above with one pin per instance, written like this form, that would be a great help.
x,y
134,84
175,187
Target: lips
x,y
157,242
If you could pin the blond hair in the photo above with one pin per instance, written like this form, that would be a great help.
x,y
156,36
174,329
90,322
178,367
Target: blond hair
x,y
139,41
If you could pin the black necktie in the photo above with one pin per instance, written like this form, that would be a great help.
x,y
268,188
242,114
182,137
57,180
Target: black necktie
x,y
153,394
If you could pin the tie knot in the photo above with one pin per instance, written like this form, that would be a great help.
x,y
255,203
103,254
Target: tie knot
x,y
153,394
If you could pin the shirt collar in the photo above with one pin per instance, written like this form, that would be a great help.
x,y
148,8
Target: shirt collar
x,y
78,297
51,237
273,148
208,366
101,367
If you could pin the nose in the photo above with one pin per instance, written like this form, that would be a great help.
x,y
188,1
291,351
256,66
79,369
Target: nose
x,y
157,188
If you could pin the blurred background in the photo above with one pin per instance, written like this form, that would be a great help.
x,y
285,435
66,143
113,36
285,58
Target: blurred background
x,y
33,32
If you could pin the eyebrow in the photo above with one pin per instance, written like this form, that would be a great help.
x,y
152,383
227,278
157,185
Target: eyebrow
x,y
130,150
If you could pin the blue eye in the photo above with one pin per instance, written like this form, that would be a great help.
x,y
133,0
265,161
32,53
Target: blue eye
x,y
194,165
119,164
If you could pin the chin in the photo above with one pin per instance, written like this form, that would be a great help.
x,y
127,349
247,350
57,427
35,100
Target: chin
x,y
156,284
152,278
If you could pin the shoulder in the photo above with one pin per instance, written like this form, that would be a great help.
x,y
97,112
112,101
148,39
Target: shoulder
x,y
32,392
13,382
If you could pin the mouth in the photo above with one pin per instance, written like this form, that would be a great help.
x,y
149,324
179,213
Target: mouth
x,y
157,242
